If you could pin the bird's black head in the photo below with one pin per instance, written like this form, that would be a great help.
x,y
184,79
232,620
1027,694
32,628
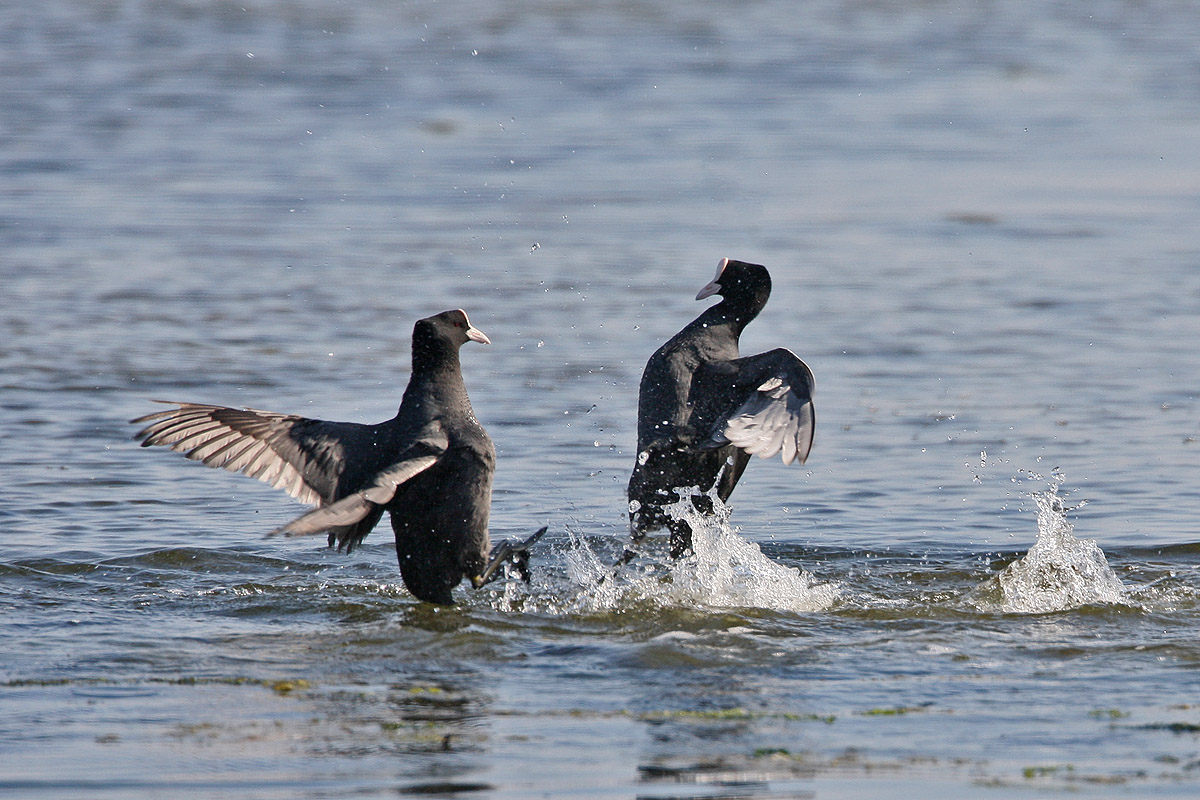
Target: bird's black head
x,y
448,327
740,283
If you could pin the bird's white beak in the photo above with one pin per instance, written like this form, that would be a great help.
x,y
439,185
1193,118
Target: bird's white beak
x,y
713,286
473,333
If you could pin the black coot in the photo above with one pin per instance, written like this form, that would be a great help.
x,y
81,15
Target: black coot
x,y
430,467
703,411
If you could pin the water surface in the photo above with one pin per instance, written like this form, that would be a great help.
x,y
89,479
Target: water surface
x,y
981,224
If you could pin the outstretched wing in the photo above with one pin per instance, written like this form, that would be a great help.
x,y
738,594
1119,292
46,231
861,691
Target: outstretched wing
x,y
767,408
304,457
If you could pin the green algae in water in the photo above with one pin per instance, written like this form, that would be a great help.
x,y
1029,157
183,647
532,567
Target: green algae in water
x,y
1172,727
285,686
1108,713
1054,770
893,712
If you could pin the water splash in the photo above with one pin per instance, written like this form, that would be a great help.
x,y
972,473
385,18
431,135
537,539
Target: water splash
x,y
724,571
1060,572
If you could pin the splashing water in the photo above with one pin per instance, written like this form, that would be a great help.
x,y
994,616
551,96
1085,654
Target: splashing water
x,y
723,571
1060,572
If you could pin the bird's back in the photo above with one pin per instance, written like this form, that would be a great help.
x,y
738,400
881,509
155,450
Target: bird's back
x,y
664,393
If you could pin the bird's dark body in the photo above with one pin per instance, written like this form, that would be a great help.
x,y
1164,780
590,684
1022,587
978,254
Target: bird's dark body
x,y
441,537
673,420
440,517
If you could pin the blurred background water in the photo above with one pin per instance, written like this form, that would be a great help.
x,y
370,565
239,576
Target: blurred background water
x,y
981,220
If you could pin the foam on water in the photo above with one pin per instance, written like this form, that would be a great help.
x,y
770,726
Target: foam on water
x,y
1060,572
724,570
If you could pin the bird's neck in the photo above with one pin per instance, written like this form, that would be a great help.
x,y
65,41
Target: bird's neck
x,y
434,357
437,373
732,316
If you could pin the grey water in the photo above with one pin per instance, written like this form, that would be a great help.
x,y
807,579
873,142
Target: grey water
x,y
982,224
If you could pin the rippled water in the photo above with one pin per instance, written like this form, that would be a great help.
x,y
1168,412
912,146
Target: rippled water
x,y
981,223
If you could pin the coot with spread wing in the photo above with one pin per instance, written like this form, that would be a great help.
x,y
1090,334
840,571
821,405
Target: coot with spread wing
x,y
703,410
430,467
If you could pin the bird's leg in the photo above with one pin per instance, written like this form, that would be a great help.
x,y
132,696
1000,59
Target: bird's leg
x,y
680,537
504,552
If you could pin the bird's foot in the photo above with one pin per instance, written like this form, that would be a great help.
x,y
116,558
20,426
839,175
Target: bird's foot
x,y
505,552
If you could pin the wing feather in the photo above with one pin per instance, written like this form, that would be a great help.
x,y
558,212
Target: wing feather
x,y
304,457
194,434
354,507
260,444
772,412
220,452
214,445
241,457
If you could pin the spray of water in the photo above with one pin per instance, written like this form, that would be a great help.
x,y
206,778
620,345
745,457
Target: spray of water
x,y
1060,571
723,571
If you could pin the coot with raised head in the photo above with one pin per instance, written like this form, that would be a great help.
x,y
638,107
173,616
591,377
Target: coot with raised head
x,y
430,467
703,410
